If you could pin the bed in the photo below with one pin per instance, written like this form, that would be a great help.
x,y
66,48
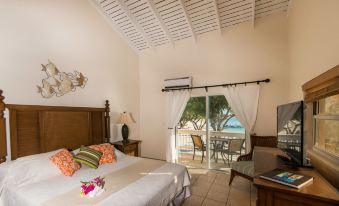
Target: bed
x,y
37,132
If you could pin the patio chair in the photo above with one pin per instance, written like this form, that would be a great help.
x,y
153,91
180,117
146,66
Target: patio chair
x,y
244,166
216,147
234,148
199,145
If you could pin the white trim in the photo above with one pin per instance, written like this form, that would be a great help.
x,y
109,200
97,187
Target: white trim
x,y
214,2
253,14
188,20
208,134
162,24
289,6
326,116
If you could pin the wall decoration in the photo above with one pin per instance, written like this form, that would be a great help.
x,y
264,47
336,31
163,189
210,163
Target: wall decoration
x,y
59,83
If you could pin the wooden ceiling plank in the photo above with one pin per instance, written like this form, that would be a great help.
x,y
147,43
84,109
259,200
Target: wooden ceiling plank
x,y
111,22
135,23
162,24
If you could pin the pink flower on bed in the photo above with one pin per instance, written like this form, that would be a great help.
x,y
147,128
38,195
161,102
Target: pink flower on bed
x,y
88,189
99,182
90,186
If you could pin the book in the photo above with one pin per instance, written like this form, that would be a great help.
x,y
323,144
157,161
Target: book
x,y
287,178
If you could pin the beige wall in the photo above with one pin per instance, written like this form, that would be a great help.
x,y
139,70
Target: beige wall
x,y
74,36
240,54
313,34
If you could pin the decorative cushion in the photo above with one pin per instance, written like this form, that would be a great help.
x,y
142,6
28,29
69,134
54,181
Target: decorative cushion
x,y
108,153
244,167
64,160
89,157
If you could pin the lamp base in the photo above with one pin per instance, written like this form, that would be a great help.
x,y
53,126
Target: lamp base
x,y
125,141
124,133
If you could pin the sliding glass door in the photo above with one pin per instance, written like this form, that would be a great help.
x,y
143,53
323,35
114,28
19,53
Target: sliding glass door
x,y
205,131
191,134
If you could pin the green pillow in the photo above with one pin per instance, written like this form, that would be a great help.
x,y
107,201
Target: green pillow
x,y
88,156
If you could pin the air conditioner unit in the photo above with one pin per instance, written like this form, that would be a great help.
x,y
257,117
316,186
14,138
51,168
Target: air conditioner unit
x,y
182,82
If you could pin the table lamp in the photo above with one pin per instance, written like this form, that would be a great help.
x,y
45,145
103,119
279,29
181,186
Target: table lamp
x,y
125,118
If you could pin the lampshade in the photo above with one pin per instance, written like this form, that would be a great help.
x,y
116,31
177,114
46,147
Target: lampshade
x,y
125,118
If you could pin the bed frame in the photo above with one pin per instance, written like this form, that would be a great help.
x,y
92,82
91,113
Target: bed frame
x,y
37,129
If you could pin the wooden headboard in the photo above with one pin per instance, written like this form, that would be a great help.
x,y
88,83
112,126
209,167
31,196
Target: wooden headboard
x,y
3,145
37,129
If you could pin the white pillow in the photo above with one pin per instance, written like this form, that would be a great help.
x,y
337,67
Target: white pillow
x,y
118,153
32,168
76,151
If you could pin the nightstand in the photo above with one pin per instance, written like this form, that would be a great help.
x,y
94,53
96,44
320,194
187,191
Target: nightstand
x,y
131,148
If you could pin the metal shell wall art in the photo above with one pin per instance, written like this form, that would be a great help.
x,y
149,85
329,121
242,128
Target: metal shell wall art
x,y
59,83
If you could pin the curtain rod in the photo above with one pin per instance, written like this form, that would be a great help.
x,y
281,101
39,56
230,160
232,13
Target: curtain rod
x,y
218,85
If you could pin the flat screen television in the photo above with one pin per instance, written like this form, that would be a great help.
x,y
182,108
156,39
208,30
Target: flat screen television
x,y
290,131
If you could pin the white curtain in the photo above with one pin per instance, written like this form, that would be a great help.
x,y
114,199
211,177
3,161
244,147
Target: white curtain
x,y
176,102
244,102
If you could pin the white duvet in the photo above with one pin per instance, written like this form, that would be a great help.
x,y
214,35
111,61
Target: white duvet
x,y
21,186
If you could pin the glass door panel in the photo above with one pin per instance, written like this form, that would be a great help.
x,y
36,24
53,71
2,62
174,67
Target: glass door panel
x,y
227,135
191,134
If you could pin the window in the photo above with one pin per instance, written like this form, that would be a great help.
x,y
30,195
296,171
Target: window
x,y
326,124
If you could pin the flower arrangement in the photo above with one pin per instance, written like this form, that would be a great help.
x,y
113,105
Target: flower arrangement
x,y
92,188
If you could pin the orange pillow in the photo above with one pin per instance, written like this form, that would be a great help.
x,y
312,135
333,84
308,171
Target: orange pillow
x,y
108,154
64,160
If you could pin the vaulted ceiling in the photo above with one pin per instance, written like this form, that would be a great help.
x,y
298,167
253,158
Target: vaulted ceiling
x,y
150,23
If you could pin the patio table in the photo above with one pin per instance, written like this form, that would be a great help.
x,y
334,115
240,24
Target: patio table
x,y
222,141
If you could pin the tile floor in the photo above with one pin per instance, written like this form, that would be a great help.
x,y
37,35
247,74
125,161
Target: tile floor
x,y
210,188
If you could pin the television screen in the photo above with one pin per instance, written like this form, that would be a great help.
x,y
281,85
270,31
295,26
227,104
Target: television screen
x,y
290,131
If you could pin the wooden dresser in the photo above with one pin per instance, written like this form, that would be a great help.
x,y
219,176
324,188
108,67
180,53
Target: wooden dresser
x,y
320,192
131,148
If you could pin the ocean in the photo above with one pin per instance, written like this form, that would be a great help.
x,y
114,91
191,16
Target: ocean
x,y
234,126
234,130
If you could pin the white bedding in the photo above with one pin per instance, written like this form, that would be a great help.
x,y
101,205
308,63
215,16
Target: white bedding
x,y
167,185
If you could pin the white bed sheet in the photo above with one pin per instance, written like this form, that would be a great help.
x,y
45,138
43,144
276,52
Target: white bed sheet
x,y
167,185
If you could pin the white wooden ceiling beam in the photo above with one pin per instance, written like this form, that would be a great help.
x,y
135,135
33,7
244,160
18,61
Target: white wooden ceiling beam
x,y
134,21
289,6
188,19
253,14
111,22
214,2
162,24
